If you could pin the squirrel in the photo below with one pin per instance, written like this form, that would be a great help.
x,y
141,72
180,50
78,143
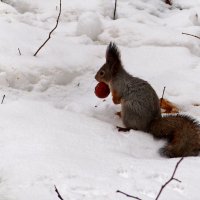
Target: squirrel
x,y
140,109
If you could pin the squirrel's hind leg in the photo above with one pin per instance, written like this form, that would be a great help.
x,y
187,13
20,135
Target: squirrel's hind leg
x,y
121,129
174,146
118,114
167,151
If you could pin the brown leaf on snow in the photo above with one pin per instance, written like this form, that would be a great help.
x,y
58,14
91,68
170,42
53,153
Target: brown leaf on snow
x,y
167,106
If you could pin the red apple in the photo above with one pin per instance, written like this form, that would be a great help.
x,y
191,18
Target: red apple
x,y
102,90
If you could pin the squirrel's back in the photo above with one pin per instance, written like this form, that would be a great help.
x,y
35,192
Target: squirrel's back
x,y
139,101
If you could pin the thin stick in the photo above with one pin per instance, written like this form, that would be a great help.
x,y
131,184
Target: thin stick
x,y
128,195
51,31
3,98
171,179
162,95
191,35
19,52
59,196
163,186
114,17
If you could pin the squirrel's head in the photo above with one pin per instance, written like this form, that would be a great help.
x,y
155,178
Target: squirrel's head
x,y
112,65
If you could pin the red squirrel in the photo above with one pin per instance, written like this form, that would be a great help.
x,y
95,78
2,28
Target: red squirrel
x,y
140,109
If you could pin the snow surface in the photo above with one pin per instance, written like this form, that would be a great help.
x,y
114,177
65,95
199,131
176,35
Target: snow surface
x,y
55,131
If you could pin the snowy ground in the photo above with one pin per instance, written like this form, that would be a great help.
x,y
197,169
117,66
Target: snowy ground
x,y
55,131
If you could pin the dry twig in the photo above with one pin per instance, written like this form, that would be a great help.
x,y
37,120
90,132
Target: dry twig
x,y
191,35
128,195
163,186
171,179
114,16
19,52
166,106
51,31
162,95
3,98
59,196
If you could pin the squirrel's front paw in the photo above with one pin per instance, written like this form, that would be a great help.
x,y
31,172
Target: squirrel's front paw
x,y
116,100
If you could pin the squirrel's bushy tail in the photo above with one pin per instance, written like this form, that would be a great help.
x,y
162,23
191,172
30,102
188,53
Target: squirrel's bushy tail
x,y
182,132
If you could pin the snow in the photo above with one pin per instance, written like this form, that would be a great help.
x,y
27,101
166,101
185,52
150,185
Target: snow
x,y
55,131
89,24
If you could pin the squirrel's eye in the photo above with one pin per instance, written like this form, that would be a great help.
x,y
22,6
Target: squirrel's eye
x,y
102,73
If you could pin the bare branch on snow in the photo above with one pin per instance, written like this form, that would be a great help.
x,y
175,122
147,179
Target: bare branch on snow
x,y
59,196
163,186
191,35
51,31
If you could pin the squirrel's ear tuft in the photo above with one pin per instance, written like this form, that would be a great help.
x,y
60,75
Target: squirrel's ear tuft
x,y
112,53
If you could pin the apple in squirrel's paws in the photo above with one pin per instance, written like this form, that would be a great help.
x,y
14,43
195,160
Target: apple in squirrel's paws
x,y
102,90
